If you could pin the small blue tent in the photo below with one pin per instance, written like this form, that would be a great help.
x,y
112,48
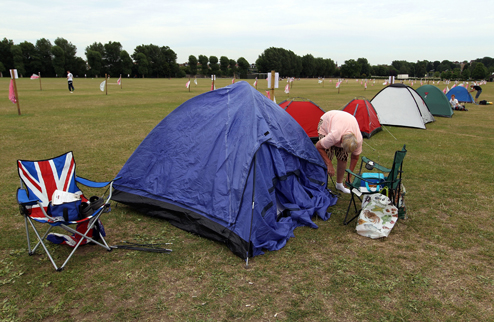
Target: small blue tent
x,y
229,165
461,94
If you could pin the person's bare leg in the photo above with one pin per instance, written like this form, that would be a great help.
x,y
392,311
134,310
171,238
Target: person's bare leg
x,y
340,173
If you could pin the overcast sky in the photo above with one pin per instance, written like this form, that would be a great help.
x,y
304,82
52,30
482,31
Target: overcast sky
x,y
381,31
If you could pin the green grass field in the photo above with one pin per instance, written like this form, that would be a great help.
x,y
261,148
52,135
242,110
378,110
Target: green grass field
x,y
435,266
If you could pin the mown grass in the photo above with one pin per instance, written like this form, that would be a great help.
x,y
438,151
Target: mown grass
x,y
434,266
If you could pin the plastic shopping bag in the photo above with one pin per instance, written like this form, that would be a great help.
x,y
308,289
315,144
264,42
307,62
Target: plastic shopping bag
x,y
377,217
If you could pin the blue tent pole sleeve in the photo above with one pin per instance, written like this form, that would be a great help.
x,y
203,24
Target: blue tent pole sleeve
x,y
252,212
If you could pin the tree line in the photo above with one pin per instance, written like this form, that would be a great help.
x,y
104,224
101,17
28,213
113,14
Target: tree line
x,y
53,60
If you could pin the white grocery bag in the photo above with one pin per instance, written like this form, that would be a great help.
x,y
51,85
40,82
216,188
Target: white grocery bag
x,y
377,217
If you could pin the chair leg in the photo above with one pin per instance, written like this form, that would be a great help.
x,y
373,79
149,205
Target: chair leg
x,y
352,201
27,235
40,241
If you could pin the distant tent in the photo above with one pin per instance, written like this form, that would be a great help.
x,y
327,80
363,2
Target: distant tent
x,y
366,116
401,105
437,102
461,94
306,113
229,165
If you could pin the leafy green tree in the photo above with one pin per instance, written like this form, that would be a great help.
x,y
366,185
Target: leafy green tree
x,y
233,67
487,61
403,67
243,67
58,60
43,47
213,64
224,61
351,68
30,58
94,55
2,68
203,60
142,64
420,69
270,60
18,59
161,60
5,53
365,67
151,62
80,66
70,52
465,74
111,58
170,66
446,74
95,62
308,66
329,67
97,46
436,64
127,62
455,74
193,65
479,71
319,67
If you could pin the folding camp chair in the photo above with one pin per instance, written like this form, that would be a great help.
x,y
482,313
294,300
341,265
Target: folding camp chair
x,y
40,182
363,183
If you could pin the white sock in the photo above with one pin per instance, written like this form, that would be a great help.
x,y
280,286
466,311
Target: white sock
x,y
341,187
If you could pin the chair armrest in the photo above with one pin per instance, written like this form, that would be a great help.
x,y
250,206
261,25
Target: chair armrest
x,y
23,198
358,179
93,184
376,165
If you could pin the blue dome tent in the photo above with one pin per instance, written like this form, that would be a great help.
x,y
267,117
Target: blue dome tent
x,y
461,94
229,165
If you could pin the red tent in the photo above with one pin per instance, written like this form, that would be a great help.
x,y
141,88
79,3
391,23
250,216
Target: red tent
x,y
306,113
365,114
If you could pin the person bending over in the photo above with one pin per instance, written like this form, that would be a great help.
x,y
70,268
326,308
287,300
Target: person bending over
x,y
479,91
339,135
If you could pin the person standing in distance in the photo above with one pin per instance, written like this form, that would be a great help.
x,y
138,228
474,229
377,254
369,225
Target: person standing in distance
x,y
339,135
479,90
69,79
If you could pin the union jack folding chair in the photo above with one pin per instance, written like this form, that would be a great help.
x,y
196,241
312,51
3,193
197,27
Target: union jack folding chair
x,y
40,182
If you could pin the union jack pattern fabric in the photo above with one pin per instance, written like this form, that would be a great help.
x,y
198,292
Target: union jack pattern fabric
x,y
42,178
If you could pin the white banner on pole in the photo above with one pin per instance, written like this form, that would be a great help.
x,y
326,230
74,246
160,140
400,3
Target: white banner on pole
x,y
16,76
276,80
